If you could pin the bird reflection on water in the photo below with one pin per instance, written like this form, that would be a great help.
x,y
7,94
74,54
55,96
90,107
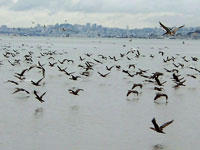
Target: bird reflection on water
x,y
158,147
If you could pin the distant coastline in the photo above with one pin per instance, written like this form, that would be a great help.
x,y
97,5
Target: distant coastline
x,y
94,30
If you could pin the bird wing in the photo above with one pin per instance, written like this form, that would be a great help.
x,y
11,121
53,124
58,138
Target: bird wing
x,y
176,29
17,90
156,97
166,124
79,90
181,26
166,28
43,94
155,124
27,91
22,73
39,80
129,92
100,74
106,74
165,95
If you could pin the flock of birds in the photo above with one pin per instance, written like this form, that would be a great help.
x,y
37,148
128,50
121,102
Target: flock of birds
x,y
87,63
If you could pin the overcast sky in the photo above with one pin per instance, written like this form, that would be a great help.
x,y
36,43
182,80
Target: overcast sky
x,y
110,13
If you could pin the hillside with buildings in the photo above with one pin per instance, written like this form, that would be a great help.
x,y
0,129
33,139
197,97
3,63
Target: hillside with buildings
x,y
94,30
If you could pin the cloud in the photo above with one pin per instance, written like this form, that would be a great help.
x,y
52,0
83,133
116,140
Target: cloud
x,y
118,13
108,6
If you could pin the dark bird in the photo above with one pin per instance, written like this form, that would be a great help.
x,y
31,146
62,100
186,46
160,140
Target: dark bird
x,y
68,73
152,56
88,54
194,58
74,77
39,97
85,73
159,129
131,51
98,61
75,92
22,73
121,55
62,62
118,66
132,91
114,58
156,75
130,75
178,84
81,59
158,82
103,75
190,75
131,65
37,83
184,58
109,68
43,72
40,65
52,64
161,52
135,85
125,71
103,57
70,60
31,67
20,77
158,88
12,64
14,82
128,58
194,69
51,58
158,95
20,89
176,77
61,69
170,31
173,70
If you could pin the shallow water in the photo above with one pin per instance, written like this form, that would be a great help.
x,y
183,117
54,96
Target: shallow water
x,y
102,116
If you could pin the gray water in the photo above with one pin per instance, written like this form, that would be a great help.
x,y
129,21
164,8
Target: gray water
x,y
102,117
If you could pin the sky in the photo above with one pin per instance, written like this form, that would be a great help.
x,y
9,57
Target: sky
x,y
109,13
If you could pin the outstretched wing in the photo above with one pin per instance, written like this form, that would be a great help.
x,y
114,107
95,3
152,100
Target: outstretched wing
x,y
155,124
39,80
176,29
43,94
166,28
129,92
166,124
181,26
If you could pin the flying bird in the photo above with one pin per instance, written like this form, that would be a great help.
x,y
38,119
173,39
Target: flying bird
x,y
158,95
39,97
14,82
158,128
75,92
21,89
37,83
170,31
103,75
132,91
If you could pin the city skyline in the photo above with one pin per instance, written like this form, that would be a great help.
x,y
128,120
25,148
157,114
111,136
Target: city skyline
x,y
95,30
111,13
